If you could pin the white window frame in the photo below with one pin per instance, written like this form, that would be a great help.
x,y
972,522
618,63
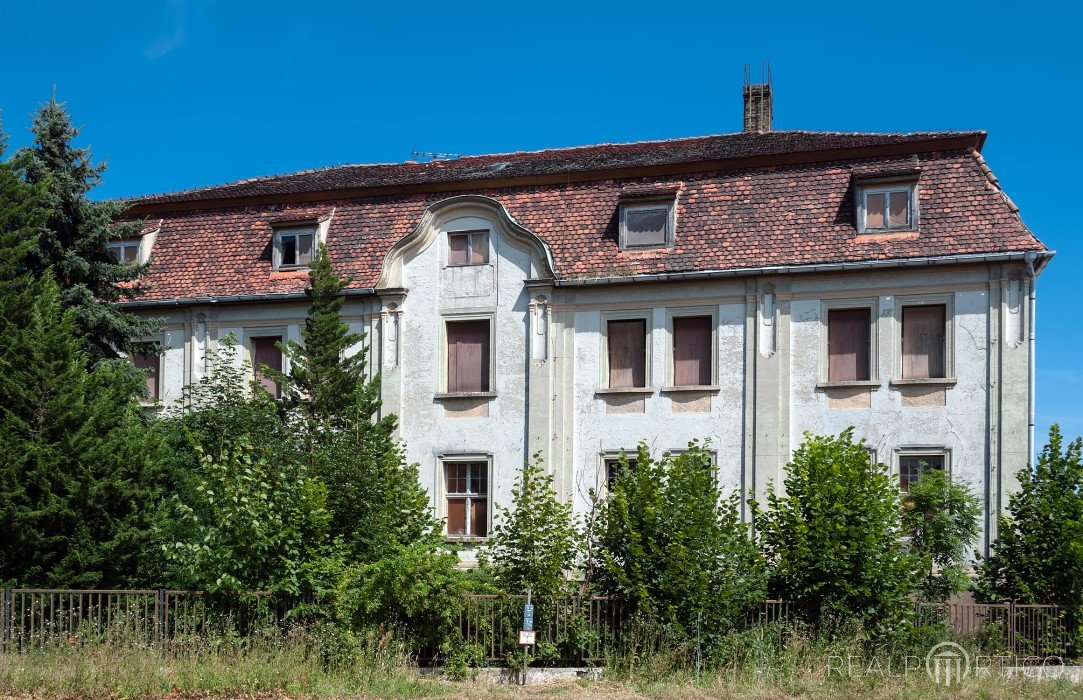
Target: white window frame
x,y
948,301
918,451
881,187
464,458
607,456
282,232
645,315
873,305
442,386
121,245
668,203
470,234
690,312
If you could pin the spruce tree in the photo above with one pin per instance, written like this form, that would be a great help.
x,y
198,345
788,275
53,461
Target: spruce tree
x,y
73,241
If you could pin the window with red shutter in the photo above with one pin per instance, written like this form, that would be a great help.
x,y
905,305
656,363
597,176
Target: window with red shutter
x,y
692,355
627,340
265,352
923,341
143,358
848,345
467,356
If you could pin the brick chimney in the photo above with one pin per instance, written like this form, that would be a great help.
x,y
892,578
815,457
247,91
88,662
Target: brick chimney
x,y
757,108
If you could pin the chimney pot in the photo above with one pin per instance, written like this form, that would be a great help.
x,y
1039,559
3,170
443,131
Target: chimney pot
x,y
757,108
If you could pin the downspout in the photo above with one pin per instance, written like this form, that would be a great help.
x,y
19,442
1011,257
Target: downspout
x,y
1031,375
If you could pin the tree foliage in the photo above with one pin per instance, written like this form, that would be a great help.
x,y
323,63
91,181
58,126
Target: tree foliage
x,y
832,537
673,549
1038,557
942,520
535,541
72,242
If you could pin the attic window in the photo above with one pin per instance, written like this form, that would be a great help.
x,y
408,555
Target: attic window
x,y
646,224
887,207
125,251
294,247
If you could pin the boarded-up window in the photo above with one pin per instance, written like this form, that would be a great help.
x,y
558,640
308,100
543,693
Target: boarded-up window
x,y
467,489
692,351
266,353
646,225
627,353
144,358
923,347
848,345
470,248
912,467
467,356
888,208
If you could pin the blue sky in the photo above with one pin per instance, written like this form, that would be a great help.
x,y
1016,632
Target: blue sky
x,y
194,92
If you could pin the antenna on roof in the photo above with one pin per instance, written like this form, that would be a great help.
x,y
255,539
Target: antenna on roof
x,y
418,155
758,102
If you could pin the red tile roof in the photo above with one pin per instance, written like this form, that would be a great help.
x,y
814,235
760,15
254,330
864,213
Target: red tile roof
x,y
791,213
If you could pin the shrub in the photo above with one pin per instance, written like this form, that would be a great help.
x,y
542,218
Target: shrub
x,y
941,518
1038,557
832,537
676,552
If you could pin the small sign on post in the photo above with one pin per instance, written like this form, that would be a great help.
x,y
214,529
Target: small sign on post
x,y
528,617
527,638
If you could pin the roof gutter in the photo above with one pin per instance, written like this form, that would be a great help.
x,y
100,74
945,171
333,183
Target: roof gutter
x,y
235,299
1043,257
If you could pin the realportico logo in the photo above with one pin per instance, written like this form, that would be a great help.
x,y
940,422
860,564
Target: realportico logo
x,y
947,664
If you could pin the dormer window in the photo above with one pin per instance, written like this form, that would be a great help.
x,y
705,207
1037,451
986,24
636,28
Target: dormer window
x,y
886,207
294,247
467,248
646,224
125,251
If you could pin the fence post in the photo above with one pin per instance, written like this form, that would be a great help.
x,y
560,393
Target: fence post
x,y
159,615
1011,630
5,618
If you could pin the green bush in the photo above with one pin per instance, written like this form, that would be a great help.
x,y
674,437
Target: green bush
x,y
1038,557
832,538
674,551
942,519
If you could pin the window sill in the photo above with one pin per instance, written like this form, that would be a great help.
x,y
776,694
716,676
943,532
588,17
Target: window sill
x,y
484,264
887,231
465,395
701,388
870,383
929,381
465,539
623,390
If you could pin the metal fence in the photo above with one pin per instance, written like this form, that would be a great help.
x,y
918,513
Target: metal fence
x,y
569,630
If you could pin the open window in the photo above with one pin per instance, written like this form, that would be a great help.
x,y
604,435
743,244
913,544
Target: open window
x,y
294,247
468,356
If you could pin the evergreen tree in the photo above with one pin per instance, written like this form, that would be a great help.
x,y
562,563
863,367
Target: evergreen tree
x,y
535,542
324,382
833,538
1038,557
73,241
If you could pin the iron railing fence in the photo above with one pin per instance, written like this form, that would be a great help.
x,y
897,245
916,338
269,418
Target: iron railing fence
x,y
569,630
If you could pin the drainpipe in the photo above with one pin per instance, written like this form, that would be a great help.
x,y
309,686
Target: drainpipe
x,y
1031,378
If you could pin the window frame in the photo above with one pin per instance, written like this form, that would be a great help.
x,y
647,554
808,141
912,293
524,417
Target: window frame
x,y
828,305
137,243
690,312
605,458
282,232
864,189
908,451
159,341
443,460
250,336
645,315
626,206
901,302
470,235
442,386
